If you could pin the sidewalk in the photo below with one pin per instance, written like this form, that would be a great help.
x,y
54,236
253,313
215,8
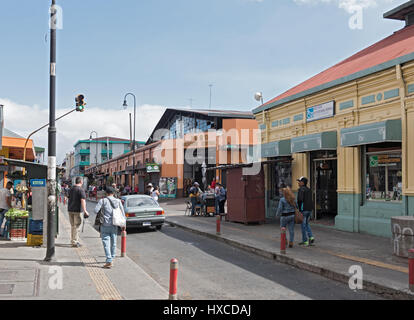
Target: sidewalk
x,y
24,274
332,255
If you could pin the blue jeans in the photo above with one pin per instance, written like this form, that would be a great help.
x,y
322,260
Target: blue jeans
x,y
289,222
108,236
2,213
306,229
193,205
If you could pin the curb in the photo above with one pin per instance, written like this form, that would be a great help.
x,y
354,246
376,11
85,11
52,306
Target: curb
x,y
369,285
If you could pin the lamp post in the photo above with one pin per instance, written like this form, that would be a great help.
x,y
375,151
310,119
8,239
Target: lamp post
x,y
259,97
51,167
125,105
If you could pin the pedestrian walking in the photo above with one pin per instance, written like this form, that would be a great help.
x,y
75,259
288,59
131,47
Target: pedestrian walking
x,y
150,189
116,190
286,210
305,205
109,231
156,193
76,205
5,204
222,197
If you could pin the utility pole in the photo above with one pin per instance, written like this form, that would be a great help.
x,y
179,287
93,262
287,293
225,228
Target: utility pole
x,y
210,85
51,161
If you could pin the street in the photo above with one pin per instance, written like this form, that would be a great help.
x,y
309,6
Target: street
x,y
211,270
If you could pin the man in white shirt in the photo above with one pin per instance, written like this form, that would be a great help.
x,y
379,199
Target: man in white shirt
x,y
5,203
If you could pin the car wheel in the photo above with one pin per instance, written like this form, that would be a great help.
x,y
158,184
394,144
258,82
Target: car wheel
x,y
158,227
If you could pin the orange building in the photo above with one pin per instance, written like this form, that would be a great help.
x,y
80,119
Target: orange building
x,y
182,146
13,148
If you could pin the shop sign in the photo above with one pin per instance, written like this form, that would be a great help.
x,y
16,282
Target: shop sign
x,y
384,160
373,161
152,167
322,111
37,183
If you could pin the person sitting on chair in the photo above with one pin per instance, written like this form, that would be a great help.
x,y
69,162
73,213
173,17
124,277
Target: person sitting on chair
x,y
194,196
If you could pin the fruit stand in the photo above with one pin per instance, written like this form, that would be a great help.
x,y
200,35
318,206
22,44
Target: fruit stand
x,y
16,224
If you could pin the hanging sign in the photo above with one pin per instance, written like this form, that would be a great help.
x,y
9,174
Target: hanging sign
x,y
322,111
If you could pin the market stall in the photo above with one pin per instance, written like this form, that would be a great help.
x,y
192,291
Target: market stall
x,y
29,201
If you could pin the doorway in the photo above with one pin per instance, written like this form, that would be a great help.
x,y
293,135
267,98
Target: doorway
x,y
324,186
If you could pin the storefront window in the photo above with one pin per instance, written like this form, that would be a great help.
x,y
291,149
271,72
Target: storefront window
x,y
281,176
384,176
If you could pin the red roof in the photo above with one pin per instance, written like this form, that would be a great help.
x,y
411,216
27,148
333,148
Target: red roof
x,y
397,45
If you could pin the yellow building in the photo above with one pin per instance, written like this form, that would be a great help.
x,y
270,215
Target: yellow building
x,y
350,131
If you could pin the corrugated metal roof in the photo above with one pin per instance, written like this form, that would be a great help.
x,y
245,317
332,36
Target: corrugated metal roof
x,y
9,133
395,49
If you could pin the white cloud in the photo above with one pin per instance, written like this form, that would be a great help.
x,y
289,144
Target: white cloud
x,y
24,119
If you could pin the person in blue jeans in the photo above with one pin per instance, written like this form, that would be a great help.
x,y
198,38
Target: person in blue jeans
x,y
286,210
109,232
305,205
5,205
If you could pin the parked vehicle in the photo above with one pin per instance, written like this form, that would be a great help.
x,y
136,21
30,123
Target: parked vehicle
x,y
142,211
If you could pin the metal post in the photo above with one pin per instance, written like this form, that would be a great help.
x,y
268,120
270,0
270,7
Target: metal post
x,y
133,141
123,243
51,172
411,269
218,231
173,279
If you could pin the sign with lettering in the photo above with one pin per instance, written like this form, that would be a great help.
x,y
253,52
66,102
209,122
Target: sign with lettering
x,y
322,111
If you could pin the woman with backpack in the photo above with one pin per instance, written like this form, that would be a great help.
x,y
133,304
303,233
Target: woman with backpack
x,y
286,210
109,232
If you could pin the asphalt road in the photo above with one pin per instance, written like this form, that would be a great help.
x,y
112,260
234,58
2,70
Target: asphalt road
x,y
211,270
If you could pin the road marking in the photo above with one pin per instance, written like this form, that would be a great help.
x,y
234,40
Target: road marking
x,y
103,284
366,261
340,255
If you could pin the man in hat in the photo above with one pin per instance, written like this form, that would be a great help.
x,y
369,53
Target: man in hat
x,y
305,205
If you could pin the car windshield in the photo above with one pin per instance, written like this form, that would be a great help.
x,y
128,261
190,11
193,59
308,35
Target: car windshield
x,y
141,202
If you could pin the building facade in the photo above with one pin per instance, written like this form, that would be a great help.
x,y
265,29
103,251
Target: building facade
x,y
182,146
348,129
95,151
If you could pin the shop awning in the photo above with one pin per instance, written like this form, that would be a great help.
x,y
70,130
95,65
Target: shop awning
x,y
314,142
385,131
276,149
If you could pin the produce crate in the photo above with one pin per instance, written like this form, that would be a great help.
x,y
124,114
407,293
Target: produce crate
x,y
19,223
35,227
17,228
18,234
34,240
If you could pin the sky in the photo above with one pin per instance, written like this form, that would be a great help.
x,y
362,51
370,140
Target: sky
x,y
167,52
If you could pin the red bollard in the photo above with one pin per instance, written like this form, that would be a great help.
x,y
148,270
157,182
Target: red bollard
x,y
64,200
411,269
218,225
123,243
173,279
283,241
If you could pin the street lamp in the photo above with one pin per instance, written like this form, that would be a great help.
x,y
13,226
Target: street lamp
x,y
125,105
259,97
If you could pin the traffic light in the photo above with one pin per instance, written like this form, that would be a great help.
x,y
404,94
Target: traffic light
x,y
80,103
